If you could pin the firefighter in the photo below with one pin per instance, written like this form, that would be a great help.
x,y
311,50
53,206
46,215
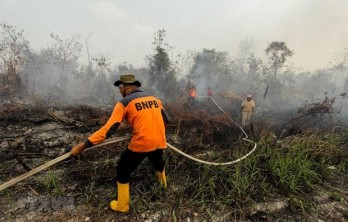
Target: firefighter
x,y
192,95
247,110
147,117
210,92
210,95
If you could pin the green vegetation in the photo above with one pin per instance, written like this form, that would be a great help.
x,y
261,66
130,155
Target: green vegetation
x,y
52,183
293,169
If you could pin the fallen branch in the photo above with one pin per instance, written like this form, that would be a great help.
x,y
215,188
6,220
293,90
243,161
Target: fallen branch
x,y
21,162
306,114
19,159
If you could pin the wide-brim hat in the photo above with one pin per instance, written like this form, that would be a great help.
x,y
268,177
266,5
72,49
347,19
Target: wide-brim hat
x,y
128,79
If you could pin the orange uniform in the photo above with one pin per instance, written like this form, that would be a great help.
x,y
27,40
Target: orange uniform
x,y
193,93
146,116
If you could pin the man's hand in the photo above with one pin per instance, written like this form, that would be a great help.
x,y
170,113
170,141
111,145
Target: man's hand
x,y
78,149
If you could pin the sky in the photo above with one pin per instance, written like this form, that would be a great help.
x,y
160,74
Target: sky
x,y
123,30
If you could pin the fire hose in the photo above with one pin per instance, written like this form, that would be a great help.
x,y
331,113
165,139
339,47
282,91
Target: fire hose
x,y
53,162
120,139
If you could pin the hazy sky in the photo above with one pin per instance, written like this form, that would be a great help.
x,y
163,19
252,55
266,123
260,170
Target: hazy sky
x,y
123,29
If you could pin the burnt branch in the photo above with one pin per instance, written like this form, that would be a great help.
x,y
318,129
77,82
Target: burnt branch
x,y
18,158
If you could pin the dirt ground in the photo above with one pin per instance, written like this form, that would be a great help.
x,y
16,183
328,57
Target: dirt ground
x,y
81,189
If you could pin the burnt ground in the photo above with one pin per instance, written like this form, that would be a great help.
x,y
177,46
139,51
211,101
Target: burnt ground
x,y
80,189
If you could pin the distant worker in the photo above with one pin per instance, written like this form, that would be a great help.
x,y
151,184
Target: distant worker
x,y
210,95
210,92
192,95
247,109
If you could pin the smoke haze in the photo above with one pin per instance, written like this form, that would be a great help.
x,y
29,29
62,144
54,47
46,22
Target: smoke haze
x,y
313,29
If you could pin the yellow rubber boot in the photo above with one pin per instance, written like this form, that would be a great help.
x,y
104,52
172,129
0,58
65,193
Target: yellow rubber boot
x,y
162,178
122,202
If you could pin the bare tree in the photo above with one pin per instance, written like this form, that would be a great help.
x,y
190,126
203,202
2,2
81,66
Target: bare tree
x,y
34,69
65,53
254,79
245,48
341,59
14,50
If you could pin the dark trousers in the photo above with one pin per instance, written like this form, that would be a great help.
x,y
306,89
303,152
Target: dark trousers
x,y
130,160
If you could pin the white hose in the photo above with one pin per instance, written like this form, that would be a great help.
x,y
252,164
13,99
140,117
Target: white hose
x,y
66,155
214,163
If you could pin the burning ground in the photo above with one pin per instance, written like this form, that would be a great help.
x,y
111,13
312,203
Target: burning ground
x,y
298,171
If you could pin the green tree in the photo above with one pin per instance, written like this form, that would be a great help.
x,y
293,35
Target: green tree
x,y
278,73
277,53
162,74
